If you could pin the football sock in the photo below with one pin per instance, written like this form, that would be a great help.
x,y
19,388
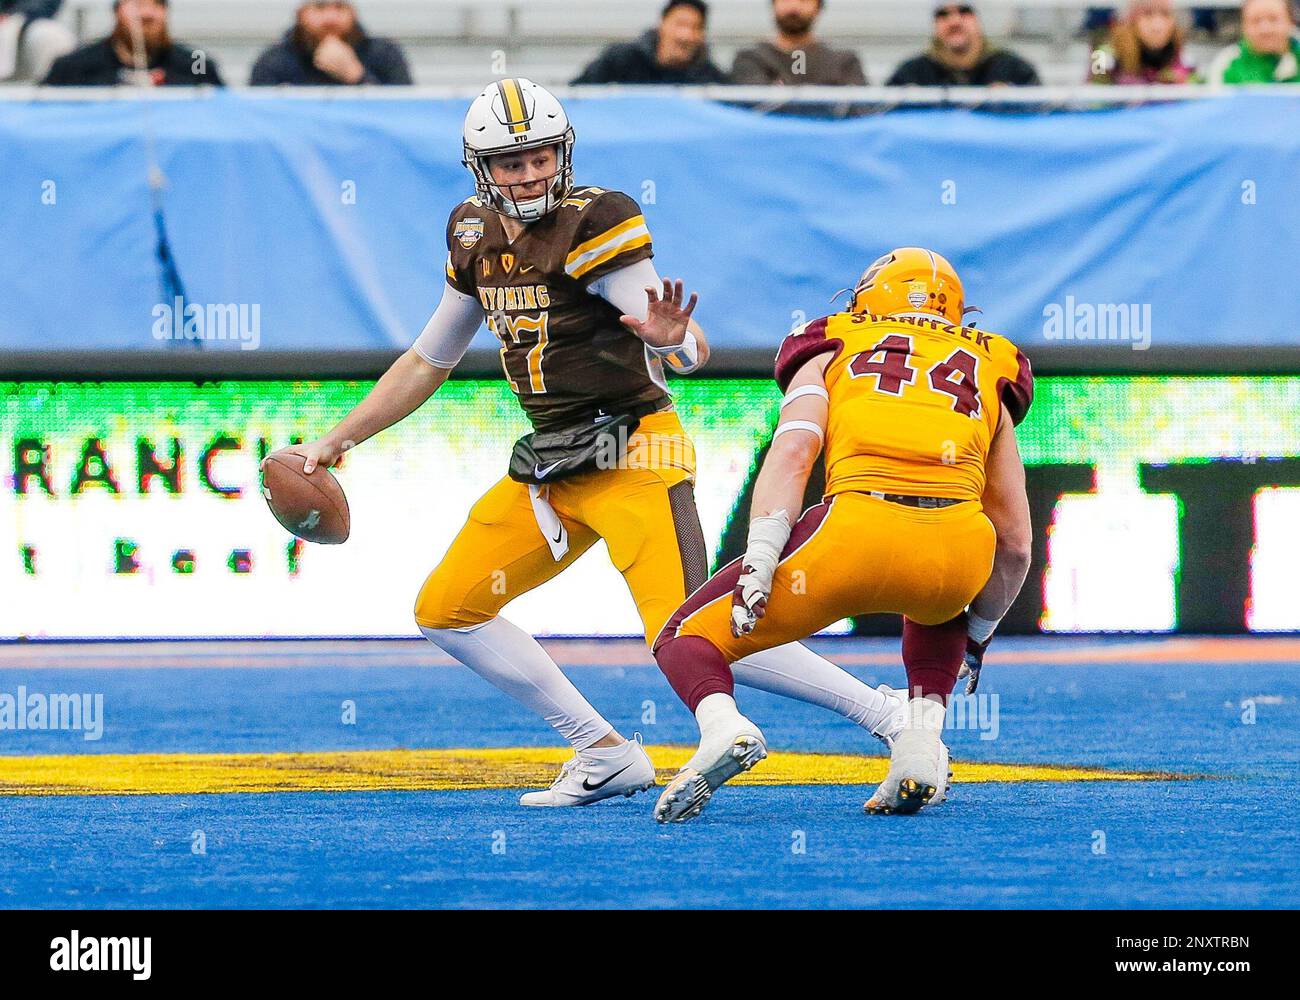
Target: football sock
x,y
795,671
695,669
933,655
514,662
927,714
716,712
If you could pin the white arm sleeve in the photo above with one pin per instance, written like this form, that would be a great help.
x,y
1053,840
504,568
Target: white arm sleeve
x,y
452,326
624,289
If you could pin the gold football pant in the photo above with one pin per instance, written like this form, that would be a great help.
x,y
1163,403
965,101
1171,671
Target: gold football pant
x,y
645,512
853,554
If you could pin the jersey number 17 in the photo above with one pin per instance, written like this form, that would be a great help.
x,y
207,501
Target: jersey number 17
x,y
511,331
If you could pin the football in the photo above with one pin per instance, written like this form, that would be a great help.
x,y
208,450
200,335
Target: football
x,y
311,507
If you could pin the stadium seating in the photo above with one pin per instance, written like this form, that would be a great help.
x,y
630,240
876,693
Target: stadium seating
x,y
452,42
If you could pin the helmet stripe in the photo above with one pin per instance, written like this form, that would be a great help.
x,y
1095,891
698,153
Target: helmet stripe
x,y
512,98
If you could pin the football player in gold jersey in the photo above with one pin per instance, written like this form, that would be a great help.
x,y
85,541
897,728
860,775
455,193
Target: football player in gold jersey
x,y
925,515
563,276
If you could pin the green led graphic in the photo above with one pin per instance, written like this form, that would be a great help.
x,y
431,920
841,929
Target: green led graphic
x,y
1117,423
138,503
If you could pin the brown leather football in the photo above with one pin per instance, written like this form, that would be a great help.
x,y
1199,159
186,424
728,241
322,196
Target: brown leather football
x,y
311,507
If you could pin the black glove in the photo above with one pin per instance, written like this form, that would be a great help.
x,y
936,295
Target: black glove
x,y
973,663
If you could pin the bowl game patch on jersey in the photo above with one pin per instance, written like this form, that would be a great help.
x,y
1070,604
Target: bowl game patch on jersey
x,y
468,232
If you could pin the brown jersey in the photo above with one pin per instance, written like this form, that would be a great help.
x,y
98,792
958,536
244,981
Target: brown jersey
x,y
565,353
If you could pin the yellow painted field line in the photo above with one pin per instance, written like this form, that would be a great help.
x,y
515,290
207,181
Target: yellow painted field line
x,y
443,770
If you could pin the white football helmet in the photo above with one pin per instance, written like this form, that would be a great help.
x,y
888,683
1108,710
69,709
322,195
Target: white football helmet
x,y
511,115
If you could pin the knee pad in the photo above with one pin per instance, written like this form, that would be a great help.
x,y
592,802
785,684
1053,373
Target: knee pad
x,y
440,605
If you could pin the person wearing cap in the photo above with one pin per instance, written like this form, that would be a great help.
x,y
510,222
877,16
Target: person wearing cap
x,y
30,38
1269,51
796,56
961,56
140,50
328,47
677,51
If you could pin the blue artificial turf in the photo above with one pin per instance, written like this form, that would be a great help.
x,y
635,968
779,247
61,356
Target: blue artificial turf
x,y
1232,841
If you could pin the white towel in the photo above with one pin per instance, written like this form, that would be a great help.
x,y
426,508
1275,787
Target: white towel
x,y
549,521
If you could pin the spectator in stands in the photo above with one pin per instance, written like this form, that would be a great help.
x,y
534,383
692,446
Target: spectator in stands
x,y
30,40
1268,52
795,56
960,55
1097,20
1145,47
675,52
140,50
328,47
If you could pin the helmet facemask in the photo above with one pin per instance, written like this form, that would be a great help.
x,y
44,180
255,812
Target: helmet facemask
x,y
501,199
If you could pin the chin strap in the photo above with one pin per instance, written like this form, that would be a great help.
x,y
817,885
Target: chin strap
x,y
525,211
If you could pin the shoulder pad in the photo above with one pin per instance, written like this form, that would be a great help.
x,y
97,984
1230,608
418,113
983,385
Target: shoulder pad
x,y
1015,385
800,346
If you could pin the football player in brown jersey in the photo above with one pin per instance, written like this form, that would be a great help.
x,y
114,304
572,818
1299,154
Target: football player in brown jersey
x,y
563,277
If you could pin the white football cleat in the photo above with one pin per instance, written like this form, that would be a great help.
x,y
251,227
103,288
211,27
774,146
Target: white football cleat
x,y
890,731
918,770
719,759
590,777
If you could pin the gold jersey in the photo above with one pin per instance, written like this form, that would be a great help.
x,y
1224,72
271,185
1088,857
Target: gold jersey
x,y
914,400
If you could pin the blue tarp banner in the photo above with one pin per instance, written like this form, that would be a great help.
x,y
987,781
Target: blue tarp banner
x,y
329,216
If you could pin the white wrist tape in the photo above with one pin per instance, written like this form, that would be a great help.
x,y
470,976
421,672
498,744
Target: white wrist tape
x,y
684,358
805,390
767,538
980,629
799,425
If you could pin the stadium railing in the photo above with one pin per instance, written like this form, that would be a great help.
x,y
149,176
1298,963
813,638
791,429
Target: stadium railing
x,y
877,97
833,102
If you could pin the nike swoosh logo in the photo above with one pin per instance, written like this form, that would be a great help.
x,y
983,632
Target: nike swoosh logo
x,y
559,536
541,473
601,784
525,270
